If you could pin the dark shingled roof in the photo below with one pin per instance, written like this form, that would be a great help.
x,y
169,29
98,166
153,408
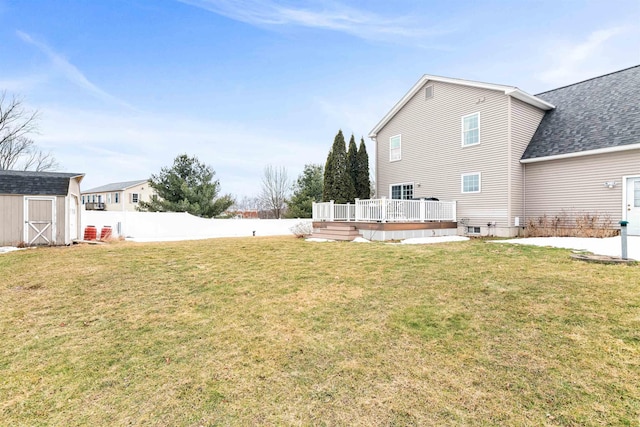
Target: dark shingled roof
x,y
35,183
602,112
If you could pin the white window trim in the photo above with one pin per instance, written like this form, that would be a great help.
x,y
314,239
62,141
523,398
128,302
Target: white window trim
x,y
399,183
399,148
462,130
479,182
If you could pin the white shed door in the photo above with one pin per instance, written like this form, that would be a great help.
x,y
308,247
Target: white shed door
x,y
633,206
39,220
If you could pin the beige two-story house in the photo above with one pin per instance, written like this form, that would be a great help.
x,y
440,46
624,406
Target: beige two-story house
x,y
506,156
118,196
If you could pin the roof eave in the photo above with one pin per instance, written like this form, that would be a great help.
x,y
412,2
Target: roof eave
x,y
605,150
507,90
529,99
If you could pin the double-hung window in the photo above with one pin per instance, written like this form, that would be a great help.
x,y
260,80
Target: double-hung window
x,y
395,152
471,129
470,182
135,197
402,191
116,197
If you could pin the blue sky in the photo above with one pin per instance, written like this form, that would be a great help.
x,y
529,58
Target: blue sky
x,y
124,86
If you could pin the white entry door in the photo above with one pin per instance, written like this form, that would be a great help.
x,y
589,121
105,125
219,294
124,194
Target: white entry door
x,y
632,205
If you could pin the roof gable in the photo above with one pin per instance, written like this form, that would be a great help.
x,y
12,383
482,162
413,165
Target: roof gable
x,y
600,114
507,90
36,183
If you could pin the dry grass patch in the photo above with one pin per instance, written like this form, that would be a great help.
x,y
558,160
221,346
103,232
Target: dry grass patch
x,y
279,331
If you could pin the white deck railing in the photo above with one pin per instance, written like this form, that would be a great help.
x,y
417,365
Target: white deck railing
x,y
385,210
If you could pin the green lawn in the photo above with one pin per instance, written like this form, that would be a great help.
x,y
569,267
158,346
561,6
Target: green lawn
x,y
279,331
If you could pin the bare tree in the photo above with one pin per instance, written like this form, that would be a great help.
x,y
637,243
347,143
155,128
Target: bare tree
x,y
17,150
275,189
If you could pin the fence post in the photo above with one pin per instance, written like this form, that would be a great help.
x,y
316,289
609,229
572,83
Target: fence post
x,y
455,214
313,211
331,215
356,216
423,210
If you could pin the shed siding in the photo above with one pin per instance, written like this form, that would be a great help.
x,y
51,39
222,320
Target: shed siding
x,y
524,122
11,219
576,185
433,157
61,220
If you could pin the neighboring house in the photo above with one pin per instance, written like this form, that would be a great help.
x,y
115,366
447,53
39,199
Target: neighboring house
x,y
119,196
39,208
508,157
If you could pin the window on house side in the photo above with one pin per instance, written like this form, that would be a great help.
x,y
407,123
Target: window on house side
x,y
473,230
117,197
135,197
108,197
471,183
395,152
471,129
402,191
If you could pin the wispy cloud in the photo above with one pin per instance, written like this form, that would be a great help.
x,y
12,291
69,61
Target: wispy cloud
x,y
571,62
71,72
332,16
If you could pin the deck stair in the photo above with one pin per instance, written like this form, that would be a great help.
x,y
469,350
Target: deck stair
x,y
336,231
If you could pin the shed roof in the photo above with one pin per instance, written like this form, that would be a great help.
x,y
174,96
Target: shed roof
x,y
36,183
602,113
116,186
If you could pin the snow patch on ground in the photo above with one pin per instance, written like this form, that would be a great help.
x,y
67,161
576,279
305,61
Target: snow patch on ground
x,y
317,239
7,249
438,239
361,240
611,246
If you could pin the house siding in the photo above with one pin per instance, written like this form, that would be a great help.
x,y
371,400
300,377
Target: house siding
x,y
125,204
525,119
576,185
433,157
11,219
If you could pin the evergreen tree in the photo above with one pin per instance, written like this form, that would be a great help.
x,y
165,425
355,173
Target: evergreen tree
x,y
336,180
363,184
308,189
352,168
188,186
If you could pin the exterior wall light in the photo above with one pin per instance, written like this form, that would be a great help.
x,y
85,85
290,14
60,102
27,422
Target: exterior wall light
x,y
610,184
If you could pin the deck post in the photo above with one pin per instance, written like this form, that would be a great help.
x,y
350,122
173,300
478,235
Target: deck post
x,y
355,213
423,210
455,214
331,214
383,214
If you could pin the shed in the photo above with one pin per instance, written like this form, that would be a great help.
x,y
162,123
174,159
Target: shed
x,y
39,208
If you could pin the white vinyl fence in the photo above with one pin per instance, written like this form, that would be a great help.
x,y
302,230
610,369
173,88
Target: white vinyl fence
x,y
169,226
385,210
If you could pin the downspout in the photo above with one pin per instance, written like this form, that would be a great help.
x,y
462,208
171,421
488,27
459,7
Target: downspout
x,y
509,162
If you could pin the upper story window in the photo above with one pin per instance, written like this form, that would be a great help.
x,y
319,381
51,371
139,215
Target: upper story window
x,y
470,182
108,197
395,152
402,191
116,197
471,129
135,197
